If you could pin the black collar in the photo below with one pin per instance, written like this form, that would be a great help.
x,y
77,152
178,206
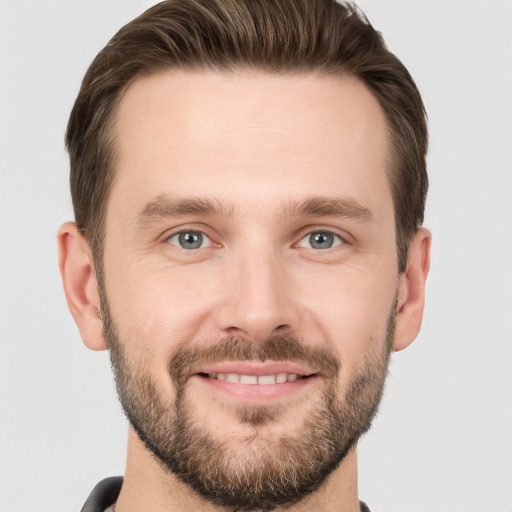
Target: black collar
x,y
106,492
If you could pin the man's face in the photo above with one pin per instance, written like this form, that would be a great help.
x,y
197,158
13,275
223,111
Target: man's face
x,y
251,276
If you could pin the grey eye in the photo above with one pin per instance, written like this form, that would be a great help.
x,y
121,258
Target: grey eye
x,y
320,240
189,240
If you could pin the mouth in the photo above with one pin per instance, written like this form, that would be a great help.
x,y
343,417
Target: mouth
x,y
256,383
251,380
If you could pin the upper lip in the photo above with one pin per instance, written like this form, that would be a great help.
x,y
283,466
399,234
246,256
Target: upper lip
x,y
257,369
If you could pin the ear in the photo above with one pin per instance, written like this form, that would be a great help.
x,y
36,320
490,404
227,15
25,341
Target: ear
x,y
411,291
80,285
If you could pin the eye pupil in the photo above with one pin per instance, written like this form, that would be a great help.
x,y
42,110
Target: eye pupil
x,y
190,239
321,240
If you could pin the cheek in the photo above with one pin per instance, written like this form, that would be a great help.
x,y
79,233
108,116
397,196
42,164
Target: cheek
x,y
351,312
158,308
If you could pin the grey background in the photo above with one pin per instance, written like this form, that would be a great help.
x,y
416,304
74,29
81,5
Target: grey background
x,y
443,439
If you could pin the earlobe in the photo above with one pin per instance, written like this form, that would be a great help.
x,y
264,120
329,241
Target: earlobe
x,y
411,294
80,286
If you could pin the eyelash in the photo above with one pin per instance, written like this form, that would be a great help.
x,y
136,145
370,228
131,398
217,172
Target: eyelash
x,y
189,231
338,239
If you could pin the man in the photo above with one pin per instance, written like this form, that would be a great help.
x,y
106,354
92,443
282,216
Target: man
x,y
248,179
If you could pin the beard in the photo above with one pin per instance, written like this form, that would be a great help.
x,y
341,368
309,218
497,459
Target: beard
x,y
264,471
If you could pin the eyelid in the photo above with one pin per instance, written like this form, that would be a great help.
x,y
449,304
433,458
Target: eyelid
x,y
205,240
346,238
336,243
192,229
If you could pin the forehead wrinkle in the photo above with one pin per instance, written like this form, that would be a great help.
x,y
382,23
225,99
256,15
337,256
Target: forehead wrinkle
x,y
164,206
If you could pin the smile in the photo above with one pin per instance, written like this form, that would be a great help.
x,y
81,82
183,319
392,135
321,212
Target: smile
x,y
278,378
256,383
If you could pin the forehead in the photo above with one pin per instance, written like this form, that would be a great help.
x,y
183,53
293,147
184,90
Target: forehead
x,y
209,133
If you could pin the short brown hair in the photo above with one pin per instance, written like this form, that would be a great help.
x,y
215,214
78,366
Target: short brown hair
x,y
277,36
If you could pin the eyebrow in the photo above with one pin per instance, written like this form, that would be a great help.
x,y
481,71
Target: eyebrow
x,y
164,207
328,207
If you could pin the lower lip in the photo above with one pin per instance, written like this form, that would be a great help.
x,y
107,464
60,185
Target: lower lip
x,y
256,392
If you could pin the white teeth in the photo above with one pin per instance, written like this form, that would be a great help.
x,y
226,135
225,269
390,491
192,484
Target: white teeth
x,y
267,379
279,378
248,379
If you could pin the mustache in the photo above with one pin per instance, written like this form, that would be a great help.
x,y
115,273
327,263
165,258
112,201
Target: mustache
x,y
282,348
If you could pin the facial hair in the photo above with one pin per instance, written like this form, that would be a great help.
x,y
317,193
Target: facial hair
x,y
260,474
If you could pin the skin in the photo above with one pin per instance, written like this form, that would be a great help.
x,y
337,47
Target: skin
x,y
255,144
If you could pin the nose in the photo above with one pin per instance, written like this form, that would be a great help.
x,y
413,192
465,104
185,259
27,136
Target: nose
x,y
259,297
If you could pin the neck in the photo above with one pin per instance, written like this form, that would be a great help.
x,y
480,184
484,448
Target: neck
x,y
149,486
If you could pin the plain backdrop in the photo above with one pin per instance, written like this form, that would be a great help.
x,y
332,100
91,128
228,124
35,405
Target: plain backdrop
x,y
443,439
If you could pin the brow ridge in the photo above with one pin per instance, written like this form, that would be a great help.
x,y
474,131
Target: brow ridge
x,y
163,207
328,207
